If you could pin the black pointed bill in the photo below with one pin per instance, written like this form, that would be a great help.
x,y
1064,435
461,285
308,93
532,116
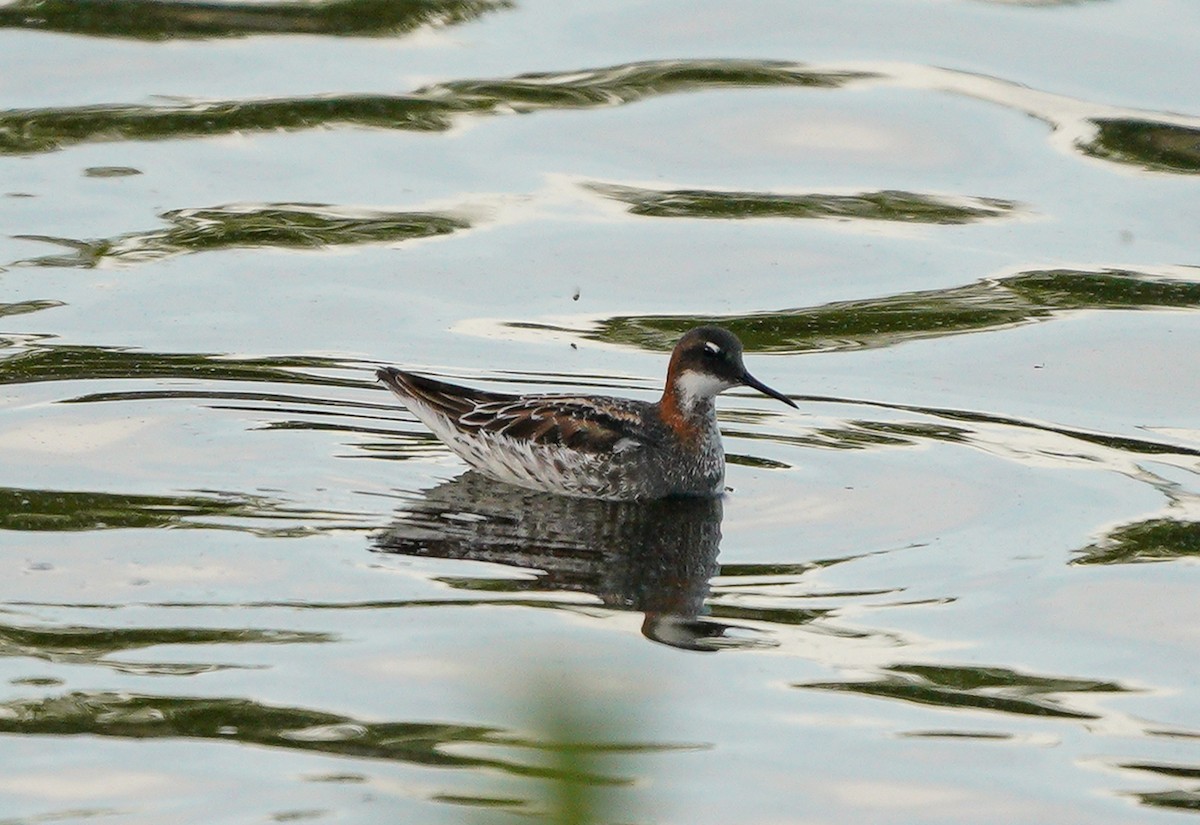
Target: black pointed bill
x,y
750,381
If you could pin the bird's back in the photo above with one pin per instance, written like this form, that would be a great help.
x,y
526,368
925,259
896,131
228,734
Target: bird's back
x,y
587,446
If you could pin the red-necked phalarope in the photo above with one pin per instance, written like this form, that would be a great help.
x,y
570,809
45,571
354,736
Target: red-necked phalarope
x,y
593,446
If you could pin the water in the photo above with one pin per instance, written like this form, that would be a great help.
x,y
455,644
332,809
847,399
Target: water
x,y
242,584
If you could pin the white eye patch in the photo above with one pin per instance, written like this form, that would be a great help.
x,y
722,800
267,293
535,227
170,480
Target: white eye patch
x,y
713,348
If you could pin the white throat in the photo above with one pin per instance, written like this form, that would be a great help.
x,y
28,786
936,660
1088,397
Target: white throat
x,y
697,387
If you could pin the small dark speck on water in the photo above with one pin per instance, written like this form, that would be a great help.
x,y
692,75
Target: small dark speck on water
x,y
575,297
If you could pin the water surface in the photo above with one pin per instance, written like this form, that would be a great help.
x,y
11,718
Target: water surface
x,y
241,583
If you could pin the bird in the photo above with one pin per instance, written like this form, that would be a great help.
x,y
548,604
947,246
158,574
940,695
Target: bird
x,y
590,446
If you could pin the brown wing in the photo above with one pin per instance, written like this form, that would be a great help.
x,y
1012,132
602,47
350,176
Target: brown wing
x,y
448,399
591,425
587,424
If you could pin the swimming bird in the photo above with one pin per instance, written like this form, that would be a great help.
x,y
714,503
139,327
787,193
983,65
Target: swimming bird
x,y
591,446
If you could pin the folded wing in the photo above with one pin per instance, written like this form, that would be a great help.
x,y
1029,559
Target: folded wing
x,y
584,424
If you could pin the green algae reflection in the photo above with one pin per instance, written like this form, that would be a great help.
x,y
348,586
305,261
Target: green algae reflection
x,y
1178,799
89,645
429,109
888,205
879,322
23,307
979,688
630,82
26,131
165,20
67,362
247,722
244,721
73,510
1156,145
1152,145
253,226
1153,540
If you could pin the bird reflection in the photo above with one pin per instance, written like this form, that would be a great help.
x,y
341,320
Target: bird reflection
x,y
654,557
